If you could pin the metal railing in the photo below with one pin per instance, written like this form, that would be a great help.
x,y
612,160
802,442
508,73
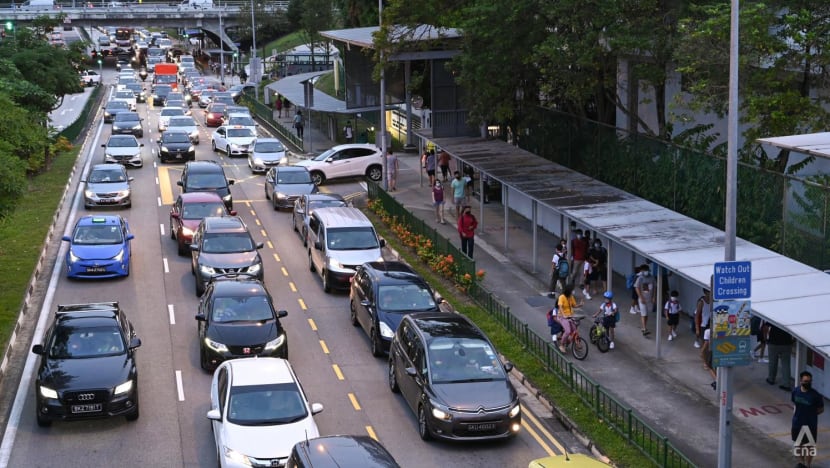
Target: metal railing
x,y
266,113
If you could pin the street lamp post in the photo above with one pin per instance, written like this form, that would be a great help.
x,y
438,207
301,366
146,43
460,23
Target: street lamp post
x,y
221,51
383,151
254,74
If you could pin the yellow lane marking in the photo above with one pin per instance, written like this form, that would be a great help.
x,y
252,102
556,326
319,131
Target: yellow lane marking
x,y
284,271
276,257
355,404
248,203
291,285
371,432
337,372
323,345
528,415
271,246
302,304
165,187
312,324
253,213
538,439
262,231
256,220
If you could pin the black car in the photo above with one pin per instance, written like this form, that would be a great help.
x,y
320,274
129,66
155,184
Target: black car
x,y
284,184
87,365
452,378
340,451
127,123
160,93
138,91
206,176
382,293
223,245
176,146
237,319
114,107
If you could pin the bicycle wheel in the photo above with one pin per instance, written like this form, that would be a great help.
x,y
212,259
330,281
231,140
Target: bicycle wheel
x,y
593,334
603,343
579,348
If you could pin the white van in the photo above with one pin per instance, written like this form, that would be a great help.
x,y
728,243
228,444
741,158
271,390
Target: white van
x,y
38,5
197,4
340,239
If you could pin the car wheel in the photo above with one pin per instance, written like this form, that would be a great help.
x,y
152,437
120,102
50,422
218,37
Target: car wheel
x,y
172,231
180,247
203,360
305,237
353,314
375,173
310,263
377,345
200,288
213,144
318,178
392,378
228,150
294,223
41,421
134,415
276,207
326,282
267,197
423,424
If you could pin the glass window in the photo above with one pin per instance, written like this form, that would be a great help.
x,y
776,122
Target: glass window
x,y
241,309
227,243
352,239
258,405
203,209
405,298
97,235
73,343
463,360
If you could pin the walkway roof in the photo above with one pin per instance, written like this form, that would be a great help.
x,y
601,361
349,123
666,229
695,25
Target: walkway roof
x,y
814,144
292,87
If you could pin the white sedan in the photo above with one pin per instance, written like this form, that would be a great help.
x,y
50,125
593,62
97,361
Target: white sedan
x,y
234,141
258,412
186,124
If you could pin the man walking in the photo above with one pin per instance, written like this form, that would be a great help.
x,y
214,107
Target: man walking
x,y
444,164
467,225
348,132
298,123
780,348
392,170
645,286
808,405
703,316
579,253
458,188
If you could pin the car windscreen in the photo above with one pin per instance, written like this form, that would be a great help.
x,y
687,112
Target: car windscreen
x,y
244,121
405,297
293,177
179,122
202,210
227,242
116,105
127,117
165,78
176,137
122,142
324,155
241,309
266,405
328,203
458,360
206,181
124,95
357,238
106,175
171,112
97,235
240,133
70,342
269,147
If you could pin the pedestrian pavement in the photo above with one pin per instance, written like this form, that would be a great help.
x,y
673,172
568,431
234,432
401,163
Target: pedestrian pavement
x,y
672,393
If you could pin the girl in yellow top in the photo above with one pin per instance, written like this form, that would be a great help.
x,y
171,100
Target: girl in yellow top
x,y
566,305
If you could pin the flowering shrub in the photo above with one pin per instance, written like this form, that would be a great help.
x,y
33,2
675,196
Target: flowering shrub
x,y
444,265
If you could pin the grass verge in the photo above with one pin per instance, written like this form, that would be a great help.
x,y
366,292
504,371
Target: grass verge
x,y
609,442
289,41
22,234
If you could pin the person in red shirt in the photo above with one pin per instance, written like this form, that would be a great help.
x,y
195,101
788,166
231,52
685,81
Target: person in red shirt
x,y
579,253
467,224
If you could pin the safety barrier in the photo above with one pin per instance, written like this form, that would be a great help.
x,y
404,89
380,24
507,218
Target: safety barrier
x,y
265,112
73,131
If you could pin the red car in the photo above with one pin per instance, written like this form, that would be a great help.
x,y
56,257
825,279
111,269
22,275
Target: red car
x,y
188,211
215,114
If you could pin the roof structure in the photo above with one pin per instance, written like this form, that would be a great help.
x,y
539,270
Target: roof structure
x,y
785,292
362,37
813,144
292,88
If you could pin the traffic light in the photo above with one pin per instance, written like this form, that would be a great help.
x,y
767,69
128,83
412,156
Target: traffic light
x,y
9,25
235,55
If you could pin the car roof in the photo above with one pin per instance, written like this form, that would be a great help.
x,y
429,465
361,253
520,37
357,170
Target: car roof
x,y
241,285
440,324
370,146
260,371
290,169
108,167
269,140
324,196
342,216
224,224
392,272
346,450
203,166
110,220
200,197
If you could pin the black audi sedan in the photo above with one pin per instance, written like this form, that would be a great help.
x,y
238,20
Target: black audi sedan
x,y
176,146
237,319
452,378
87,365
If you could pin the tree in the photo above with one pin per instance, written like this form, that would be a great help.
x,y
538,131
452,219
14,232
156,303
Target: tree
x,y
317,15
271,23
357,13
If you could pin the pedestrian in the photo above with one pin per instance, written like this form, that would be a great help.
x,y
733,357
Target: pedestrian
x,y
672,311
809,404
559,270
587,271
278,106
438,202
579,253
566,305
780,349
609,311
457,186
429,165
553,323
444,164
706,356
298,123
392,169
468,183
645,286
760,328
467,224
599,267
348,132
703,316
243,75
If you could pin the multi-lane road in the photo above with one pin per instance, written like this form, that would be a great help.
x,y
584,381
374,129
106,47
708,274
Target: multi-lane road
x,y
331,358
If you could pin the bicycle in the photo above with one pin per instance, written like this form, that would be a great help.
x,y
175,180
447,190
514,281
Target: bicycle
x,y
599,336
577,344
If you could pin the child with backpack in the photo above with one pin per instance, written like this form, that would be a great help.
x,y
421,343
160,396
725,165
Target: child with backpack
x,y
553,323
672,311
560,268
629,284
609,312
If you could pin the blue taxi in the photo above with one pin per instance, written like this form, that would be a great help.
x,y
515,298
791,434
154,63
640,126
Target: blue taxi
x,y
99,247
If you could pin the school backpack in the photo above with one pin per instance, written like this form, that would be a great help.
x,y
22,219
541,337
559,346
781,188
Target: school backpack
x,y
562,267
629,282
550,318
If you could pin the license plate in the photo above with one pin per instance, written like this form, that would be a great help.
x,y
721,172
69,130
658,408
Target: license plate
x,y
91,408
481,427
179,156
107,201
96,269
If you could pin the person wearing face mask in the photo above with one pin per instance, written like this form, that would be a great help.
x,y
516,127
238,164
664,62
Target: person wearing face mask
x,y
457,185
672,311
809,404
467,224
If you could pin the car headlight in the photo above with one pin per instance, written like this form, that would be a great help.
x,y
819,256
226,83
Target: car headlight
x,y
283,161
254,269
119,256
72,257
47,392
108,156
164,149
226,197
280,195
237,457
385,331
137,127
234,146
123,388
216,346
90,193
187,232
207,270
333,263
191,149
124,193
438,413
515,410
259,161
274,344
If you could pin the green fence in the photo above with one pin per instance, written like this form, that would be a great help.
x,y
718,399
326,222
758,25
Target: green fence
x,y
442,245
73,131
266,113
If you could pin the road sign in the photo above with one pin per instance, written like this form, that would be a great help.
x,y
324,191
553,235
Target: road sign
x,y
733,280
730,333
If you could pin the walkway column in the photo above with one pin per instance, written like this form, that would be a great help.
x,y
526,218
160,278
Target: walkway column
x,y
535,221
407,76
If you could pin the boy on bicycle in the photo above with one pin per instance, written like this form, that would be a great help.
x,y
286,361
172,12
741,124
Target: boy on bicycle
x,y
608,309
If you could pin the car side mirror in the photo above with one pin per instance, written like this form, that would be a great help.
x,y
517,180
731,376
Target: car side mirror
x,y
37,349
410,371
382,242
130,236
104,146
66,238
508,366
230,181
179,183
130,179
233,212
200,317
365,303
328,160
135,342
316,408
194,247
158,141
214,415
317,245
141,144
260,245
282,313
174,215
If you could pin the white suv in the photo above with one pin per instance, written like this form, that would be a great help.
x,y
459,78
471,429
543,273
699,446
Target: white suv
x,y
357,159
